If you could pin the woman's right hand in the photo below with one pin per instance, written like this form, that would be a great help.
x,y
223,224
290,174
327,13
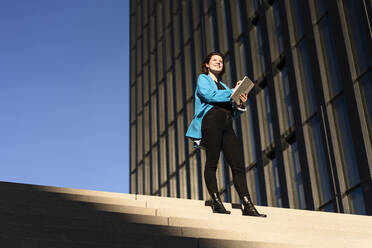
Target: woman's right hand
x,y
237,85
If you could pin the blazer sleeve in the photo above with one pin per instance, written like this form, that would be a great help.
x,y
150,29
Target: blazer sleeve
x,y
210,94
237,111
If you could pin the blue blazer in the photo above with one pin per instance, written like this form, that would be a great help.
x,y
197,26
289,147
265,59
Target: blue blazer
x,y
206,94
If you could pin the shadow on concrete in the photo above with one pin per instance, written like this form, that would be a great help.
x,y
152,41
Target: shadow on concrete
x,y
32,216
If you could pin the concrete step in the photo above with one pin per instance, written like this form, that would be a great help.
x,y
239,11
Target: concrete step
x,y
83,213
84,236
101,213
122,226
22,194
7,186
77,205
121,238
275,220
172,206
114,225
260,232
17,242
214,228
202,243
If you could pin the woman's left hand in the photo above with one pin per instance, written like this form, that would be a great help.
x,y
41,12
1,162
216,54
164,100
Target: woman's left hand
x,y
243,98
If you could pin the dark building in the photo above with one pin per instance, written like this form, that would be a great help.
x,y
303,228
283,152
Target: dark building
x,y
307,133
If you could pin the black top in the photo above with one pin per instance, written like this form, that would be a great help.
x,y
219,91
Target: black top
x,y
223,105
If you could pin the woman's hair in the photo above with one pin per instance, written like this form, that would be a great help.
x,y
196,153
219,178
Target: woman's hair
x,y
204,69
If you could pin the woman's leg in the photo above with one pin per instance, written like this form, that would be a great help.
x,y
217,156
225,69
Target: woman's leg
x,y
233,153
212,140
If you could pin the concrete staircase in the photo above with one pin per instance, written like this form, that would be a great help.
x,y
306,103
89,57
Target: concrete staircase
x,y
52,217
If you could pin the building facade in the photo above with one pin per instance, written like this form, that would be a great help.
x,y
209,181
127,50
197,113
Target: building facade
x,y
306,137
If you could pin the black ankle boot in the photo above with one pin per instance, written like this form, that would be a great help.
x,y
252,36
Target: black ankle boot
x,y
217,205
249,209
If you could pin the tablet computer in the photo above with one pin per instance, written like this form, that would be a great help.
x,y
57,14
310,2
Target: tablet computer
x,y
245,86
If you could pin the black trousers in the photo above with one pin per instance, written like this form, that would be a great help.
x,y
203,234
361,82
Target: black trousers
x,y
218,135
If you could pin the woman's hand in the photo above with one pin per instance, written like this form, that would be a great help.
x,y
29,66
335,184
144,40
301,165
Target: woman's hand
x,y
237,85
243,99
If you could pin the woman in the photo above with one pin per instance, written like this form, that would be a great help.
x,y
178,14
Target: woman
x,y
212,128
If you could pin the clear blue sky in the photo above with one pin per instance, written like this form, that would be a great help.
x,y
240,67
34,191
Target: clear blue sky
x,y
64,102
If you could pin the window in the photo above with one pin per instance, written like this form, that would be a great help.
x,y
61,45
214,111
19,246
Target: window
x,y
145,44
248,133
161,107
275,34
366,89
147,175
189,81
274,198
334,84
167,13
133,147
264,116
163,168
146,129
140,179
359,34
146,82
355,202
152,74
178,85
298,21
317,161
261,52
256,4
159,17
198,51
321,7
177,35
172,160
152,33
252,7
186,20
343,143
307,84
253,185
209,33
236,18
139,138
257,51
169,96
283,97
221,22
294,177
168,51
195,13
160,62
240,64
154,119
132,103
155,170
139,94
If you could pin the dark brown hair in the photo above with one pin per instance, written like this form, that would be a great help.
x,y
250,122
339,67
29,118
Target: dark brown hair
x,y
204,69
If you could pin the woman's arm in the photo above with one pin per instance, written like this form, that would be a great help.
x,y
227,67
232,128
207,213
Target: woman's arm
x,y
209,93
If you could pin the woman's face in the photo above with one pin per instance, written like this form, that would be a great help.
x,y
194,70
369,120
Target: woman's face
x,y
215,64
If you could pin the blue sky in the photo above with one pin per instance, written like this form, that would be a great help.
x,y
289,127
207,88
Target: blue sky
x,y
64,93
